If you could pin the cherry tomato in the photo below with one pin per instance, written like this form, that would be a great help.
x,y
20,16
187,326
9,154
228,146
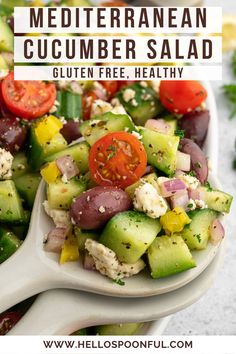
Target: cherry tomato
x,y
117,159
118,3
28,99
111,87
87,101
8,320
182,97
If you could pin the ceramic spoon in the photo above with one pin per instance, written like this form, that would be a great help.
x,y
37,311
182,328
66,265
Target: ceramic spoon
x,y
31,270
65,311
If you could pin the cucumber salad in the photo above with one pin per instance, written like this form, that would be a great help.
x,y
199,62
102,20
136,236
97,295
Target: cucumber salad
x,y
126,177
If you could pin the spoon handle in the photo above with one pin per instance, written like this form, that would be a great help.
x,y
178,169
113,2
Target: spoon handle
x,y
21,277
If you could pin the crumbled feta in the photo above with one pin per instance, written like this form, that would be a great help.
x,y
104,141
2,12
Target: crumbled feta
x,y
197,204
53,109
64,178
101,209
155,85
201,204
61,218
137,135
107,263
147,199
100,107
191,181
128,95
118,110
6,160
143,84
191,205
134,102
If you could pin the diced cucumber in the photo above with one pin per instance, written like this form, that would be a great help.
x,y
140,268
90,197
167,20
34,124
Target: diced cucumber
x,y
217,200
142,105
83,235
70,105
60,194
107,123
172,123
196,234
169,255
3,63
20,165
151,178
120,329
9,243
129,234
161,149
11,209
20,231
27,186
79,152
37,153
6,37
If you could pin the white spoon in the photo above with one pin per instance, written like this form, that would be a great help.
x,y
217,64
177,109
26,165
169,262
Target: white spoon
x,y
65,311
32,270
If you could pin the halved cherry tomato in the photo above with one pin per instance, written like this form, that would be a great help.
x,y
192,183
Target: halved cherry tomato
x,y
87,101
28,99
8,320
111,87
182,96
117,159
115,3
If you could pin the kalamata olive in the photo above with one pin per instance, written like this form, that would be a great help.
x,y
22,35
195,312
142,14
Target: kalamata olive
x,y
70,131
93,208
195,126
12,135
198,160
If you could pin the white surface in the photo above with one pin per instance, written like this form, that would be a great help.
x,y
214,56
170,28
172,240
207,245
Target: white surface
x,y
63,312
215,313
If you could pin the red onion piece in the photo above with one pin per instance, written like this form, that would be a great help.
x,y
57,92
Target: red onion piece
x,y
169,188
180,199
88,262
198,160
217,232
149,169
194,194
159,125
55,239
178,173
67,166
183,161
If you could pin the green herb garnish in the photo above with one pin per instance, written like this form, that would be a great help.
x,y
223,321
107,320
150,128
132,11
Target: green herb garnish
x,y
208,186
230,93
191,173
180,133
119,281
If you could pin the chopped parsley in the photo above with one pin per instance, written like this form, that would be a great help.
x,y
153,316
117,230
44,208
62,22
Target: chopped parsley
x,y
180,133
230,93
208,186
190,205
119,281
113,150
191,173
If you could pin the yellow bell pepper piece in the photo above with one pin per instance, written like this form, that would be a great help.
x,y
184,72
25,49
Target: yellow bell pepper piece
x,y
36,3
50,172
47,128
174,220
70,250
